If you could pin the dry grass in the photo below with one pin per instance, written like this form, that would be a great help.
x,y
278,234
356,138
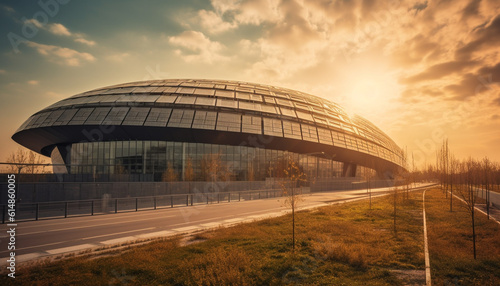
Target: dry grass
x,y
450,244
345,244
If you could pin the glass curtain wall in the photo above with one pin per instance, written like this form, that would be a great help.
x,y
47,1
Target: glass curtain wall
x,y
177,161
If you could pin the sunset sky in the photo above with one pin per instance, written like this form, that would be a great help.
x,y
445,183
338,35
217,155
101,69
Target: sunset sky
x,y
422,71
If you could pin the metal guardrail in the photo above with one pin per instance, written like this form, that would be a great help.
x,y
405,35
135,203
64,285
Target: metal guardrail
x,y
65,209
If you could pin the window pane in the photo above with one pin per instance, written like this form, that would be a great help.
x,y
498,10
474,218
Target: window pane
x,y
272,127
81,116
325,136
158,117
210,101
116,116
185,100
229,122
292,130
251,124
166,99
181,118
205,120
136,116
227,103
309,133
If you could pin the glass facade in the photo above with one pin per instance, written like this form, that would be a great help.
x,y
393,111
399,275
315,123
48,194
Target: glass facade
x,y
191,161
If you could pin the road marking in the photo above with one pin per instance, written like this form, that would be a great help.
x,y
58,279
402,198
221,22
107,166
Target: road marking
x,y
70,248
478,209
426,247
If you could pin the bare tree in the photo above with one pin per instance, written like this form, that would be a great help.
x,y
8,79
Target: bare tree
x,y
486,170
26,161
293,177
468,193
454,166
368,175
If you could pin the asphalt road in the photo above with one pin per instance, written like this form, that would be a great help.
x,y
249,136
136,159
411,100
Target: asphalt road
x,y
36,239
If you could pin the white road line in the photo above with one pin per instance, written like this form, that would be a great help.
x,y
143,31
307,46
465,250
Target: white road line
x,y
480,210
426,247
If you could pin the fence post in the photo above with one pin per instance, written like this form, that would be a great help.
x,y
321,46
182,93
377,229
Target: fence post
x,y
187,200
239,196
218,198
65,209
192,199
36,211
136,203
92,208
154,202
259,194
228,197
207,199
171,201
116,205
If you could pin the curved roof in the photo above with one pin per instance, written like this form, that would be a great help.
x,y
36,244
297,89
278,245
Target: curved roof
x,y
211,111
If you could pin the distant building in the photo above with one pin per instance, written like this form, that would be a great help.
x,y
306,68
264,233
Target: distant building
x,y
179,129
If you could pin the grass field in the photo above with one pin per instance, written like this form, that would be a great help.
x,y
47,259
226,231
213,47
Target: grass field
x,y
346,244
450,244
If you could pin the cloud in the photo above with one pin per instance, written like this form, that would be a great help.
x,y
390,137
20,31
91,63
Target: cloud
x,y
229,14
8,9
439,71
419,7
33,82
484,38
86,42
196,47
61,55
58,29
118,57
486,79
471,10
214,23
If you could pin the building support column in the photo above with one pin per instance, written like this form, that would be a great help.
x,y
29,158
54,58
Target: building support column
x,y
349,170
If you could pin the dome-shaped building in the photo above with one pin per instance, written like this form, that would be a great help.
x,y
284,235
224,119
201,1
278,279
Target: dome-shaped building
x,y
178,125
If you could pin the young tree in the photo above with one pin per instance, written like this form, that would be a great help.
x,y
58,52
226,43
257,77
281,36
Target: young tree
x,y
469,175
189,171
486,169
293,176
368,174
454,166
170,175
